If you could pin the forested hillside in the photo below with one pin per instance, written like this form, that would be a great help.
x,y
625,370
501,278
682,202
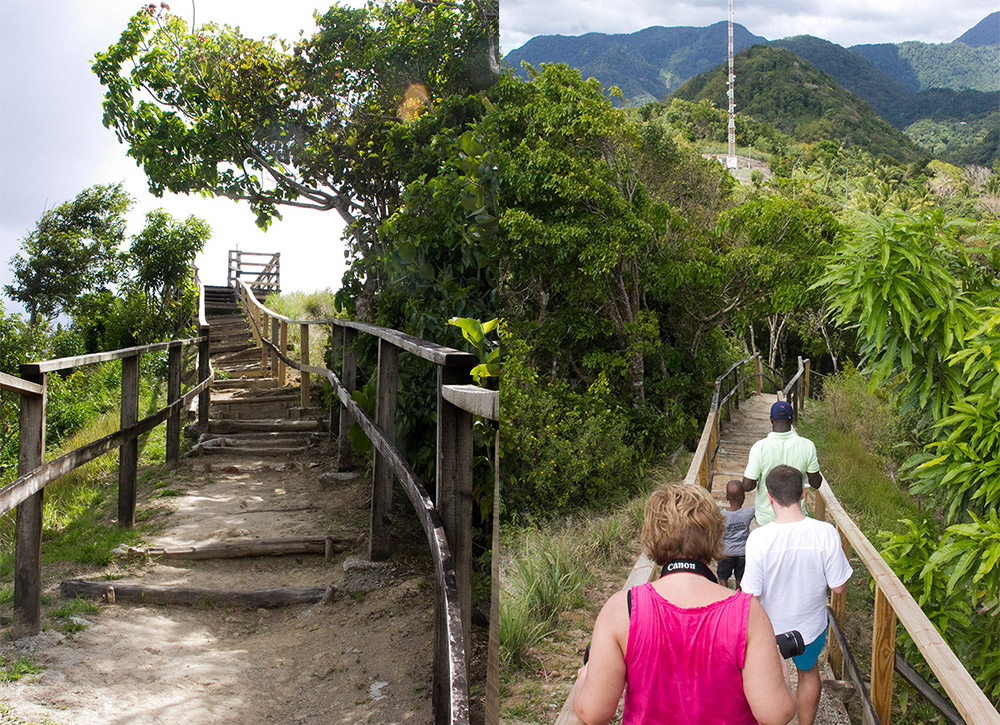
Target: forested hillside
x,y
986,32
919,66
780,88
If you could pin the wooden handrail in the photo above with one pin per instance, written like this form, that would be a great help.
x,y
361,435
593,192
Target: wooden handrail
x,y
66,363
965,694
703,459
14,384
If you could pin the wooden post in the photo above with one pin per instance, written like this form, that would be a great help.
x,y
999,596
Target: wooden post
x,y
838,603
493,650
28,525
805,382
128,453
883,656
382,476
737,384
204,370
758,371
349,379
283,346
174,394
454,488
265,355
275,337
304,357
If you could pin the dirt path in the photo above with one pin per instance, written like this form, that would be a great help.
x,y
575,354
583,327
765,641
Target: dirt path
x,y
363,655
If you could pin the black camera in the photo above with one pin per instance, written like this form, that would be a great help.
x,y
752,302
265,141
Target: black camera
x,y
790,644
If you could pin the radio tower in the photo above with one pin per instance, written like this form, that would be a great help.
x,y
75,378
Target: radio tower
x,y
731,158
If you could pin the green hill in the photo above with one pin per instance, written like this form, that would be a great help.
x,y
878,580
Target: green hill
x,y
776,86
646,65
920,66
893,101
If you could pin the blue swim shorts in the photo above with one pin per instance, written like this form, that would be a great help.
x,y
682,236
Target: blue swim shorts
x,y
807,660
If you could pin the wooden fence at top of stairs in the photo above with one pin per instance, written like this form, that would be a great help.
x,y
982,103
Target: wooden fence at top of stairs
x,y
721,452
446,518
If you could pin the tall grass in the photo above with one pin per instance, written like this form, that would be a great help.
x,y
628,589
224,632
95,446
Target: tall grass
x,y
307,306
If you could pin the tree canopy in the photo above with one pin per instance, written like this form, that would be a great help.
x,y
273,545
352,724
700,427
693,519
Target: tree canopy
x,y
307,125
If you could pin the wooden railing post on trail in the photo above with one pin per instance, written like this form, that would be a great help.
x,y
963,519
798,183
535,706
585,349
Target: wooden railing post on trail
x,y
128,453
174,371
382,477
28,537
349,379
304,382
26,493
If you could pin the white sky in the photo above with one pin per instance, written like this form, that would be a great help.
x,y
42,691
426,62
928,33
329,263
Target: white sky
x,y
846,22
53,144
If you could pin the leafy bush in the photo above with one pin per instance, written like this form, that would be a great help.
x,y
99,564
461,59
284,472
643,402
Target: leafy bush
x,y
559,447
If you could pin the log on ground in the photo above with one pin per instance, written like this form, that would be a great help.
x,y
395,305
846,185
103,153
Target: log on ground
x,y
246,547
152,594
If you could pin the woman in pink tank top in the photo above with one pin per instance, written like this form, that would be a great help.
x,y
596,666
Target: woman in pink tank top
x,y
683,648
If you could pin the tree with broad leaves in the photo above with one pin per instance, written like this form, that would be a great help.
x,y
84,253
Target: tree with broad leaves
x,y
72,249
304,125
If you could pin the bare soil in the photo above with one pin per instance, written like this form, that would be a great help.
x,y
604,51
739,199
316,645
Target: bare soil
x,y
362,656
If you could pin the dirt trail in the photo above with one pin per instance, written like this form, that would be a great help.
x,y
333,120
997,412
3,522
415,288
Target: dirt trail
x,y
362,656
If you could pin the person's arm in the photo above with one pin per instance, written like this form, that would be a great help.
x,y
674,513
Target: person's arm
x,y
815,478
839,590
601,681
749,484
764,683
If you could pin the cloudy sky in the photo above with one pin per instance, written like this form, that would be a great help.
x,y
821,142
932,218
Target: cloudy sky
x,y
846,22
53,145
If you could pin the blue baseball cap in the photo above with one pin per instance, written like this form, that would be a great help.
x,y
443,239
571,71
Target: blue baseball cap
x,y
782,410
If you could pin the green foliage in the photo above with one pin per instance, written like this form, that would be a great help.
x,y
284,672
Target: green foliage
x,y
903,283
559,448
335,121
955,577
73,249
67,617
475,333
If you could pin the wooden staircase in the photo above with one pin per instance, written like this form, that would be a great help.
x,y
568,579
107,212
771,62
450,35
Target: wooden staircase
x,y
251,415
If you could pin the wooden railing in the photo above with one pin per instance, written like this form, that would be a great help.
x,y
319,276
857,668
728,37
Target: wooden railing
x,y
729,388
893,602
447,519
261,270
26,493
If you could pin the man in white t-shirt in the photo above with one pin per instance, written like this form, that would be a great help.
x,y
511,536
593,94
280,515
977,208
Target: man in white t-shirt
x,y
790,562
782,447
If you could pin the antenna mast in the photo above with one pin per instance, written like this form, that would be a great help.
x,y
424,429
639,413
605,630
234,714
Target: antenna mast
x,y
731,158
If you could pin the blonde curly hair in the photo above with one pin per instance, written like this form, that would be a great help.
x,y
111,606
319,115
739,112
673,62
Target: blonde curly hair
x,y
682,521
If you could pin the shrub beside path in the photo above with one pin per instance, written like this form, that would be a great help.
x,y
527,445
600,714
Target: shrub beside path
x,y
263,470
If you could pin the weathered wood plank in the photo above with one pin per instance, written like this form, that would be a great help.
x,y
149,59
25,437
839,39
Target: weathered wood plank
x,y
246,547
153,594
65,363
883,656
474,399
854,672
304,381
348,377
454,487
18,385
28,533
380,527
173,394
128,452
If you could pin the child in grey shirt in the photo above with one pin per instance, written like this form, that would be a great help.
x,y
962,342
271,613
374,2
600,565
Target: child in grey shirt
x,y
734,541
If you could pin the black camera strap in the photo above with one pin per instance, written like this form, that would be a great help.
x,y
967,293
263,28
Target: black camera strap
x,y
685,566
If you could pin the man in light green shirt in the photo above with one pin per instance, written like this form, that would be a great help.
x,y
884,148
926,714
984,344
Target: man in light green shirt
x,y
782,447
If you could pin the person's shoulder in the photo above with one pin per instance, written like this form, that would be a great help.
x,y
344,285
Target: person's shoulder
x,y
745,514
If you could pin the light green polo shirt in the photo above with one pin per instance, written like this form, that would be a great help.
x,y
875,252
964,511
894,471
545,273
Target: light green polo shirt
x,y
789,449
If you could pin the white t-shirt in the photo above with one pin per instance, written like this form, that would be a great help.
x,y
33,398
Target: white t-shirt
x,y
789,566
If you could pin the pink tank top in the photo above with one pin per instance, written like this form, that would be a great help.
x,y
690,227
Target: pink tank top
x,y
686,665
